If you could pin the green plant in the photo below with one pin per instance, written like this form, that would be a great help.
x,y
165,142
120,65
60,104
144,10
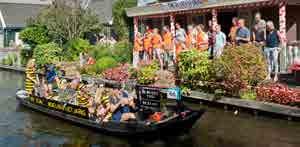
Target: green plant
x,y
101,65
146,75
10,59
47,54
35,35
194,68
248,94
100,51
240,67
74,47
122,51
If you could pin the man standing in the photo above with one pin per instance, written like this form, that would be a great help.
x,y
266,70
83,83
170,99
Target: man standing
x,y
243,33
180,38
220,42
259,30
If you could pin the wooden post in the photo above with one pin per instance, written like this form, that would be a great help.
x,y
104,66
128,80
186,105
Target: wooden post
x,y
172,27
282,30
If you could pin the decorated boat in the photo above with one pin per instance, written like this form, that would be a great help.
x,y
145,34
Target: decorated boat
x,y
149,98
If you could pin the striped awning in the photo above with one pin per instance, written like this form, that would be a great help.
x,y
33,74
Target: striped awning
x,y
165,9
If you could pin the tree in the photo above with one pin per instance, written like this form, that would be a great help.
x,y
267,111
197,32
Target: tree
x,y
67,20
121,22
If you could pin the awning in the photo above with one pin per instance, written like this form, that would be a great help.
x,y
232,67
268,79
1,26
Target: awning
x,y
168,8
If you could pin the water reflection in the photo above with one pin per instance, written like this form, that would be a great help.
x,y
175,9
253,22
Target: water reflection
x,y
20,126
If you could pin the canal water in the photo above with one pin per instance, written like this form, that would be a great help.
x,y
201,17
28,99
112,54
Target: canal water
x,y
22,127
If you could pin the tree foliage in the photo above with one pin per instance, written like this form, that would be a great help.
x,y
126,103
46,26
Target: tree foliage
x,y
73,48
121,21
66,22
35,35
47,54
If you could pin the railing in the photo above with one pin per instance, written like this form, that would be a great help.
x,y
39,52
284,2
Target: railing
x,y
289,55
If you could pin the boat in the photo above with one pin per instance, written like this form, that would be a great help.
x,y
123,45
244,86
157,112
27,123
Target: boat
x,y
176,124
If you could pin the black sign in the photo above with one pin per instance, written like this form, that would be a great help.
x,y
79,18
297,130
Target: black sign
x,y
149,97
60,106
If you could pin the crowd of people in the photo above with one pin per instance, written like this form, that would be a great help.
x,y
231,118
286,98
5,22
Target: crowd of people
x,y
104,104
161,44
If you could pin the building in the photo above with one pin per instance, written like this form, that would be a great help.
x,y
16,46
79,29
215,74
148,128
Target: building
x,y
15,13
13,16
282,12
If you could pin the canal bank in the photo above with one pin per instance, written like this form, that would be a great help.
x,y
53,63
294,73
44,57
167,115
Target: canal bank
x,y
235,104
23,127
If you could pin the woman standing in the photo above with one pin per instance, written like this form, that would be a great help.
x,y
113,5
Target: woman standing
x,y
272,49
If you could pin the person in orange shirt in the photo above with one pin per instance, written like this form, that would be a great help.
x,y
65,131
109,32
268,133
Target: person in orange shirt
x,y
138,53
201,38
157,45
168,46
233,30
190,38
147,41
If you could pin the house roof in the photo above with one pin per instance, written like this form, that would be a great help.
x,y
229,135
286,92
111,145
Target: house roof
x,y
184,7
16,14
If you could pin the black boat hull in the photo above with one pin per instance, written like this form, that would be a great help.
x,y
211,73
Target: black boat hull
x,y
174,125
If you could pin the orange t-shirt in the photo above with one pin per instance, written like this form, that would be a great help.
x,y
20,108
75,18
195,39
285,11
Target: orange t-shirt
x,y
147,42
201,41
138,44
188,41
156,41
167,37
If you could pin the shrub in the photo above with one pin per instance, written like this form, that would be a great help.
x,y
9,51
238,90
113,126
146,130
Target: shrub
x,y
277,93
47,54
74,47
10,59
248,94
100,51
240,67
194,68
101,65
35,35
146,75
122,52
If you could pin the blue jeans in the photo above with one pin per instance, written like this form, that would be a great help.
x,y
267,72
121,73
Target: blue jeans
x,y
271,55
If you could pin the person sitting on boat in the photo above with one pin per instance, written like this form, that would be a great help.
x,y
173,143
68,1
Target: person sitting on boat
x,y
30,77
103,112
51,78
83,96
119,107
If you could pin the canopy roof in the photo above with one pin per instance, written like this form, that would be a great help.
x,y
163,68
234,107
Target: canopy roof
x,y
191,6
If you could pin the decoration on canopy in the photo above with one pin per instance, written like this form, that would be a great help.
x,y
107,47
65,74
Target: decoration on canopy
x,y
145,2
183,4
